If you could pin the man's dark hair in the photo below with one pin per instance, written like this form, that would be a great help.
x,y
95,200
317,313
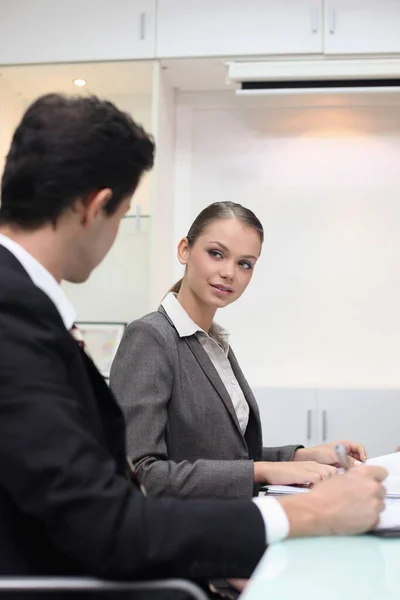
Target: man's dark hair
x,y
66,147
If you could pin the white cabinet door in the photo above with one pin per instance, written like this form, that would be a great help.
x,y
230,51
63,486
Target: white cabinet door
x,y
188,28
288,416
371,417
362,26
49,31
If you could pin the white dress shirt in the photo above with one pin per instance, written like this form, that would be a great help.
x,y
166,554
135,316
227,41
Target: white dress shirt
x,y
216,344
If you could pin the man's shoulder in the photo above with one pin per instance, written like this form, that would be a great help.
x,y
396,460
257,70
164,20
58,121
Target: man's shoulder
x,y
19,296
13,282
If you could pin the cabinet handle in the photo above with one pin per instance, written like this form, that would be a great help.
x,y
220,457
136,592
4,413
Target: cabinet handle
x,y
142,26
309,415
324,426
331,21
314,20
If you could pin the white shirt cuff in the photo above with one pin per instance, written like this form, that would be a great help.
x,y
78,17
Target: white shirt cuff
x,y
275,519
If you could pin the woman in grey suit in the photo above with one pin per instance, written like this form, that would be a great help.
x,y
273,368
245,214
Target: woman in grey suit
x,y
193,424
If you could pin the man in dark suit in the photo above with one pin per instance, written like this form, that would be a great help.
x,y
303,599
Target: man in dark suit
x,y
67,505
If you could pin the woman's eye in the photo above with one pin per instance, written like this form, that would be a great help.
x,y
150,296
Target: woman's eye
x,y
215,254
245,265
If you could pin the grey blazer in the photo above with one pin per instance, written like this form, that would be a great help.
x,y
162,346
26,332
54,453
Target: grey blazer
x,y
183,434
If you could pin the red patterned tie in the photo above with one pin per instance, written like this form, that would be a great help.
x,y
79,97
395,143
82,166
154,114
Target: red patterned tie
x,y
132,475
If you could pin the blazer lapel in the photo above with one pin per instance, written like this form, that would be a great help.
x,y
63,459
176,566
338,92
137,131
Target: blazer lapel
x,y
7,259
248,394
250,398
205,363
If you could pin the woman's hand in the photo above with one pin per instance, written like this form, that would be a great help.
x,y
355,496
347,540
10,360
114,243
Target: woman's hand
x,y
326,454
289,473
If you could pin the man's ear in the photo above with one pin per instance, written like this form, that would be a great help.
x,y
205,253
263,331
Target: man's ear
x,y
183,251
93,205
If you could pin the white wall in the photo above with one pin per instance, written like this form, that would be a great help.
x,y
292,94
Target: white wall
x,y
323,307
118,289
162,239
140,107
10,115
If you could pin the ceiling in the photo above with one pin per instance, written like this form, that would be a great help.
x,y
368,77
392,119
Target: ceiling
x,y
126,78
115,78
103,79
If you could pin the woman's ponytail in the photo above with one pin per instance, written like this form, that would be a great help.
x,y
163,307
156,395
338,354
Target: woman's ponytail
x,y
175,288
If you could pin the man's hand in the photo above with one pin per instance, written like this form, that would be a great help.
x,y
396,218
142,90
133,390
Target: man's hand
x,y
325,454
343,505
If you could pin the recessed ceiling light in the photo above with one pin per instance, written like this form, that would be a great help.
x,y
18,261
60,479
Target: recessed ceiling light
x,y
80,82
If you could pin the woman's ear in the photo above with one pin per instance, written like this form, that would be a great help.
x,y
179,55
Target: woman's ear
x,y
183,251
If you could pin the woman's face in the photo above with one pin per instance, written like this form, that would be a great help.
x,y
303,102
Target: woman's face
x,y
220,264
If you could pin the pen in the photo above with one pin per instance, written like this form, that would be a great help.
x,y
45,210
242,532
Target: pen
x,y
343,457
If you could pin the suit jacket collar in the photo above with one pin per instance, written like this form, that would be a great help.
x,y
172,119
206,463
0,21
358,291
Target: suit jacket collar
x,y
253,432
8,260
212,375
41,278
248,394
186,327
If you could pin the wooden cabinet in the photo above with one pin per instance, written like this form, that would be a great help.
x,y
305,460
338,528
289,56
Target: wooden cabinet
x,y
238,28
49,31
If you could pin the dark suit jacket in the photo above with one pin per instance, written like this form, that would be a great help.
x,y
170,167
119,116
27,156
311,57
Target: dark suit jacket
x,y
66,504
183,433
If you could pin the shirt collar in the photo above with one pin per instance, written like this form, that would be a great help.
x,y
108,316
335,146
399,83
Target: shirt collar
x,y
42,279
185,326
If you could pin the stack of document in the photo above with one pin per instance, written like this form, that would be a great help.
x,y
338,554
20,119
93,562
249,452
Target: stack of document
x,y
283,490
390,517
391,462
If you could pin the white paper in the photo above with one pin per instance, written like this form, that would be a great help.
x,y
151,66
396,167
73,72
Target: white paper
x,y
391,462
390,517
286,489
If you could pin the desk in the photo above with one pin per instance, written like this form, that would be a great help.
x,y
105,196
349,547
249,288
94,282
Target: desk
x,y
342,568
